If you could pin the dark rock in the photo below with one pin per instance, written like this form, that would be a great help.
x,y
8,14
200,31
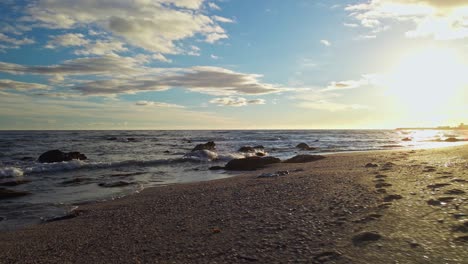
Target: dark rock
x,y
27,159
462,239
461,227
326,256
371,165
260,154
382,184
167,151
111,138
14,183
211,146
437,185
455,191
247,149
59,156
259,147
304,146
406,139
216,168
434,202
114,184
250,163
392,197
451,139
365,237
7,193
304,158
131,139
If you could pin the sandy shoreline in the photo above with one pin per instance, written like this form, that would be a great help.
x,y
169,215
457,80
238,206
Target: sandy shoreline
x,y
410,208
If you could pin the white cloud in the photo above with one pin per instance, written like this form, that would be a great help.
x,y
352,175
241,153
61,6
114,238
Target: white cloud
x,y
352,25
102,47
223,19
325,42
236,101
442,20
349,84
158,104
160,57
214,57
155,26
21,86
331,106
66,40
8,42
214,6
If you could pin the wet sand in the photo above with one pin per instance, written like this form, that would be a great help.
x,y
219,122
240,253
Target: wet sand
x,y
373,207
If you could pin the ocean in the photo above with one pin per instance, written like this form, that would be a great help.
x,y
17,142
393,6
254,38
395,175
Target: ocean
x,y
124,162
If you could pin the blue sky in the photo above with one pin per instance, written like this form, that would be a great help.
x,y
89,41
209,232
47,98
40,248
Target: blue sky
x,y
226,64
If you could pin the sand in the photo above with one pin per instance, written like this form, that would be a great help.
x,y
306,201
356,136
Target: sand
x,y
404,207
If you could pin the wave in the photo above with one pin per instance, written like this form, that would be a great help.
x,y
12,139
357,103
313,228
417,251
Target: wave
x,y
10,172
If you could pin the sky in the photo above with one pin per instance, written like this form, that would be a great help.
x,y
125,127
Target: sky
x,y
232,64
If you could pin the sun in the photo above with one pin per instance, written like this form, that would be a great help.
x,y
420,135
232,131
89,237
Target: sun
x,y
428,80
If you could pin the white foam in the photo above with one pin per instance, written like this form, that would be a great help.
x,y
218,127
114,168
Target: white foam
x,y
202,155
56,166
11,172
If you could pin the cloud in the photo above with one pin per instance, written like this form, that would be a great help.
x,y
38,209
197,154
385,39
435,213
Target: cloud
x,y
112,65
223,19
331,106
325,42
67,40
102,47
441,20
236,101
156,26
114,74
21,86
214,57
158,104
352,25
349,84
207,80
214,6
8,42
160,57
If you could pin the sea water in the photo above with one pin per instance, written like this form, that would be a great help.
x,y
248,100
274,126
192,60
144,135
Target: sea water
x,y
140,159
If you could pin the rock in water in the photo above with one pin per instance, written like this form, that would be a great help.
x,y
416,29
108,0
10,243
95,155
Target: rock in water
x,y
406,139
304,158
250,163
7,193
304,146
211,146
59,156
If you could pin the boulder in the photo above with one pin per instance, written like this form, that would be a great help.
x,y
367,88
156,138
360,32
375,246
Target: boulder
x,y
451,139
211,146
406,139
304,158
259,147
260,154
59,156
250,163
304,146
365,237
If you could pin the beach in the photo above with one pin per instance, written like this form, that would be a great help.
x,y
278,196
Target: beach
x,y
395,206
